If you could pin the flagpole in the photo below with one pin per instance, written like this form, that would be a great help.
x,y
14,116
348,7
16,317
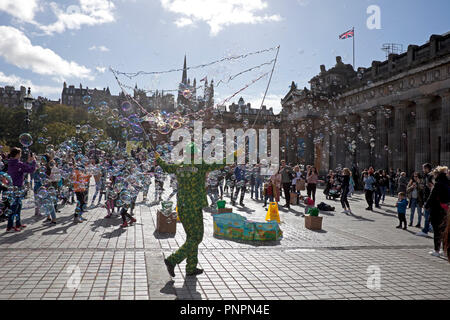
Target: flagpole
x,y
354,49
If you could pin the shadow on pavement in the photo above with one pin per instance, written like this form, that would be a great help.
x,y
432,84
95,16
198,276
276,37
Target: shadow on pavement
x,y
358,217
169,288
105,222
159,235
114,234
190,285
318,231
252,243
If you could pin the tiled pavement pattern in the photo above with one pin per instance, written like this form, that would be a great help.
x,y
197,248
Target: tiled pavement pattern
x,y
99,260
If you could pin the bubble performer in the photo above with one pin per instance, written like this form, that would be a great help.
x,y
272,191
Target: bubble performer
x,y
191,199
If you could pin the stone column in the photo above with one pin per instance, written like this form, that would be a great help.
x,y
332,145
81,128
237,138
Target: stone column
x,y
381,141
333,150
422,133
340,144
363,149
401,139
309,150
445,129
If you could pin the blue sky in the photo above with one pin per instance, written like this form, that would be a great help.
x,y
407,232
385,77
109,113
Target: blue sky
x,y
44,43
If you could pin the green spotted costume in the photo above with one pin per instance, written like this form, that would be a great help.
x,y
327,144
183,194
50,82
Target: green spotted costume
x,y
191,200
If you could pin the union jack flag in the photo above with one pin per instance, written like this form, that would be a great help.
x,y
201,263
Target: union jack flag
x,y
348,34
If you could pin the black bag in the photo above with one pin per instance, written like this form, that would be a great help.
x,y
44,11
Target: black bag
x,y
325,207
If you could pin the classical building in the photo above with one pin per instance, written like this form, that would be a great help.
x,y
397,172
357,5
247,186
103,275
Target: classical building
x,y
394,114
72,96
10,97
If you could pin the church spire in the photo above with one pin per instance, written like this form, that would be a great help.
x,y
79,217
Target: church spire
x,y
184,78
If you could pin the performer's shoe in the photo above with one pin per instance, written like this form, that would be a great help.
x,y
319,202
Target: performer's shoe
x,y
195,272
170,268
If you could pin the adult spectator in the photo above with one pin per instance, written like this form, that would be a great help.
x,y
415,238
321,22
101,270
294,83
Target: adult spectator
x,y
287,174
415,195
384,184
402,183
345,187
241,180
369,182
312,178
377,185
16,170
392,182
437,203
427,186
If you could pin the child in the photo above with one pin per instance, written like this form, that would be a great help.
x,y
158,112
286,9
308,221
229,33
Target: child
x,y
80,180
401,205
268,192
110,197
309,203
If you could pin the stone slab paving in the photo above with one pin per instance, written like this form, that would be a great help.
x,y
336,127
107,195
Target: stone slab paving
x,y
98,260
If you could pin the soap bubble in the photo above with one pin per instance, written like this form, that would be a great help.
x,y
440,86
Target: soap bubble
x,y
126,106
26,139
187,93
86,99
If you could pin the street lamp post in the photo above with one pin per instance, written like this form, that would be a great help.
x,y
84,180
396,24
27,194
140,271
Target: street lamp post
x,y
28,106
77,130
372,145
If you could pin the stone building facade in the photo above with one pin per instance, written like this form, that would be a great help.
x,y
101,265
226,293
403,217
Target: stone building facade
x,y
10,97
394,114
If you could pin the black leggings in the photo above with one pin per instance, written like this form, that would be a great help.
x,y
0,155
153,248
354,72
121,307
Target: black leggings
x,y
344,200
438,224
81,201
124,213
311,190
369,198
287,193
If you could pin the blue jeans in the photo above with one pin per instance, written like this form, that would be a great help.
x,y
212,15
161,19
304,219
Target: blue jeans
x,y
427,226
270,198
383,192
391,188
377,197
16,208
414,205
258,189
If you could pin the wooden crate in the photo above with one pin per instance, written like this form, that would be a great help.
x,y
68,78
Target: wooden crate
x,y
313,223
294,198
166,224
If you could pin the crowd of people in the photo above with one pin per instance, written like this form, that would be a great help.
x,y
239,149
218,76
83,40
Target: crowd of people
x,y
60,179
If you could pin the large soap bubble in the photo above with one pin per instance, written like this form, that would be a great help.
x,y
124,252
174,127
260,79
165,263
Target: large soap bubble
x,y
26,139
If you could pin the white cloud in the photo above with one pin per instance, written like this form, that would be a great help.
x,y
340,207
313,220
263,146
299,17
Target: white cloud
x,y
16,81
218,13
100,69
89,12
18,50
99,48
182,22
20,9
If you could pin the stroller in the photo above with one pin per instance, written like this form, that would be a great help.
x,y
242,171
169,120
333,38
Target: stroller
x,y
335,191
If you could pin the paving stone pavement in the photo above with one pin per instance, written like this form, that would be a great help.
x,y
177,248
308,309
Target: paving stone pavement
x,y
99,260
